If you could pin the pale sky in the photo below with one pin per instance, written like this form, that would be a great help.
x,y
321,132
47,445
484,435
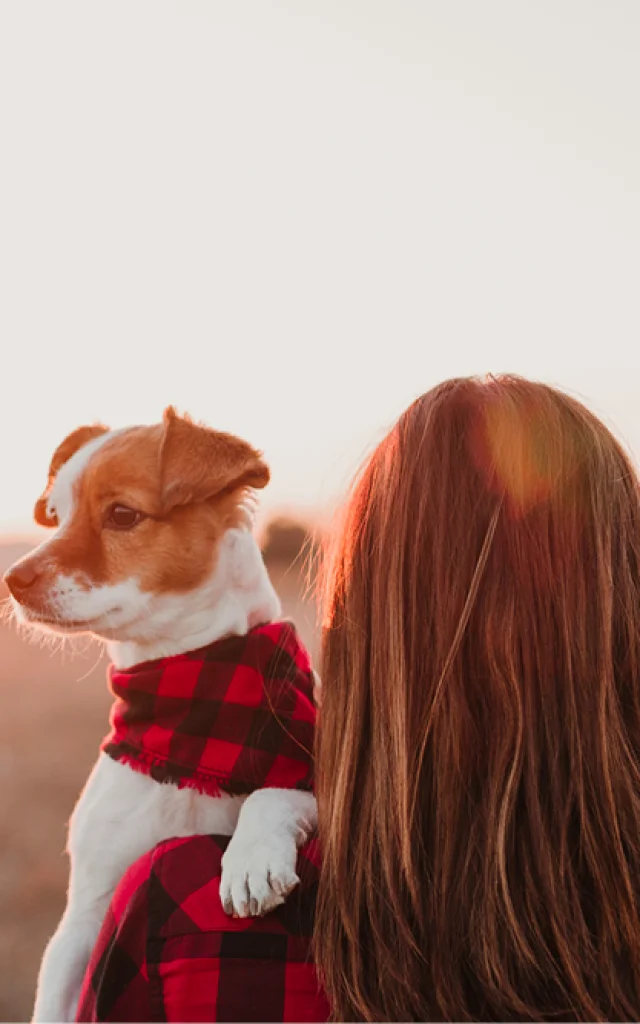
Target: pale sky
x,y
291,218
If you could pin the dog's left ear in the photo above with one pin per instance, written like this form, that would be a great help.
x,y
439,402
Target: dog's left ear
x,y
197,463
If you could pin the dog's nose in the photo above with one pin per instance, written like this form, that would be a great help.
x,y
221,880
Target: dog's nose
x,y
20,578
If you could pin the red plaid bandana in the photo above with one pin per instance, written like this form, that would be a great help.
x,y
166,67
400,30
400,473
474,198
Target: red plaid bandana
x,y
235,716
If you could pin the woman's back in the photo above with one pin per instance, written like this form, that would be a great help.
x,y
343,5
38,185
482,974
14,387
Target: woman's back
x,y
479,755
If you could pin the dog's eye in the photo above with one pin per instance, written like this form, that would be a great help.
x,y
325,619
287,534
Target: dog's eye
x,y
119,517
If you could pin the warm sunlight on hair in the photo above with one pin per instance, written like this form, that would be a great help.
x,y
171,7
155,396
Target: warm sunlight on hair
x,y
478,755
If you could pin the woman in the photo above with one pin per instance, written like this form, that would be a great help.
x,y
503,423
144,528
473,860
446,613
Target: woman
x,y
479,756
479,744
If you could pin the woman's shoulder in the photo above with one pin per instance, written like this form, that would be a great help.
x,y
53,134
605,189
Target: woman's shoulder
x,y
205,852
187,959
180,877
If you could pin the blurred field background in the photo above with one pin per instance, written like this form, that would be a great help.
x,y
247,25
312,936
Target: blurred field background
x,y
54,708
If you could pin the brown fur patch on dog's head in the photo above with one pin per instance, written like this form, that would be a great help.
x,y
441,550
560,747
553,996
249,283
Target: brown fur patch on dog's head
x,y
149,504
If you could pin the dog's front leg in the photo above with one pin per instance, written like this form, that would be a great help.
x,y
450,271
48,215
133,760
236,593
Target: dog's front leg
x,y
92,882
259,864
116,820
67,955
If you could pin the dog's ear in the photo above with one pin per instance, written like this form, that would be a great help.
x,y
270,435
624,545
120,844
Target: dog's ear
x,y
197,463
71,444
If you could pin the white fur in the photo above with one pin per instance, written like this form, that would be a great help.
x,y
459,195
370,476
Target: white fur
x,y
61,496
237,596
122,813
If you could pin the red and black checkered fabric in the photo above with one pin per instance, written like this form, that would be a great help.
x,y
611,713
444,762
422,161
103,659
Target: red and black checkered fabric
x,y
235,716
168,952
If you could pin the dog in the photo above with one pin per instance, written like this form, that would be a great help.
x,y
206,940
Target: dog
x,y
153,553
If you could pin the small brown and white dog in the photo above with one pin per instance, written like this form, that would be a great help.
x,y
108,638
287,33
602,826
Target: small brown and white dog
x,y
153,553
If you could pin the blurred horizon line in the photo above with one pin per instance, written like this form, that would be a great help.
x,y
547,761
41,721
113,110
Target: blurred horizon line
x,y
311,517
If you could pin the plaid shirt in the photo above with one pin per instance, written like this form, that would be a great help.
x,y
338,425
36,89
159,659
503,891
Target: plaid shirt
x,y
168,952
234,716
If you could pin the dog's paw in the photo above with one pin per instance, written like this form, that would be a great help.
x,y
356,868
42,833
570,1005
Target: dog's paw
x,y
257,878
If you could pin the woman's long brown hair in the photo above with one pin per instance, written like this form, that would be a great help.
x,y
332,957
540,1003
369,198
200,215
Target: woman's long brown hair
x,y
479,740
